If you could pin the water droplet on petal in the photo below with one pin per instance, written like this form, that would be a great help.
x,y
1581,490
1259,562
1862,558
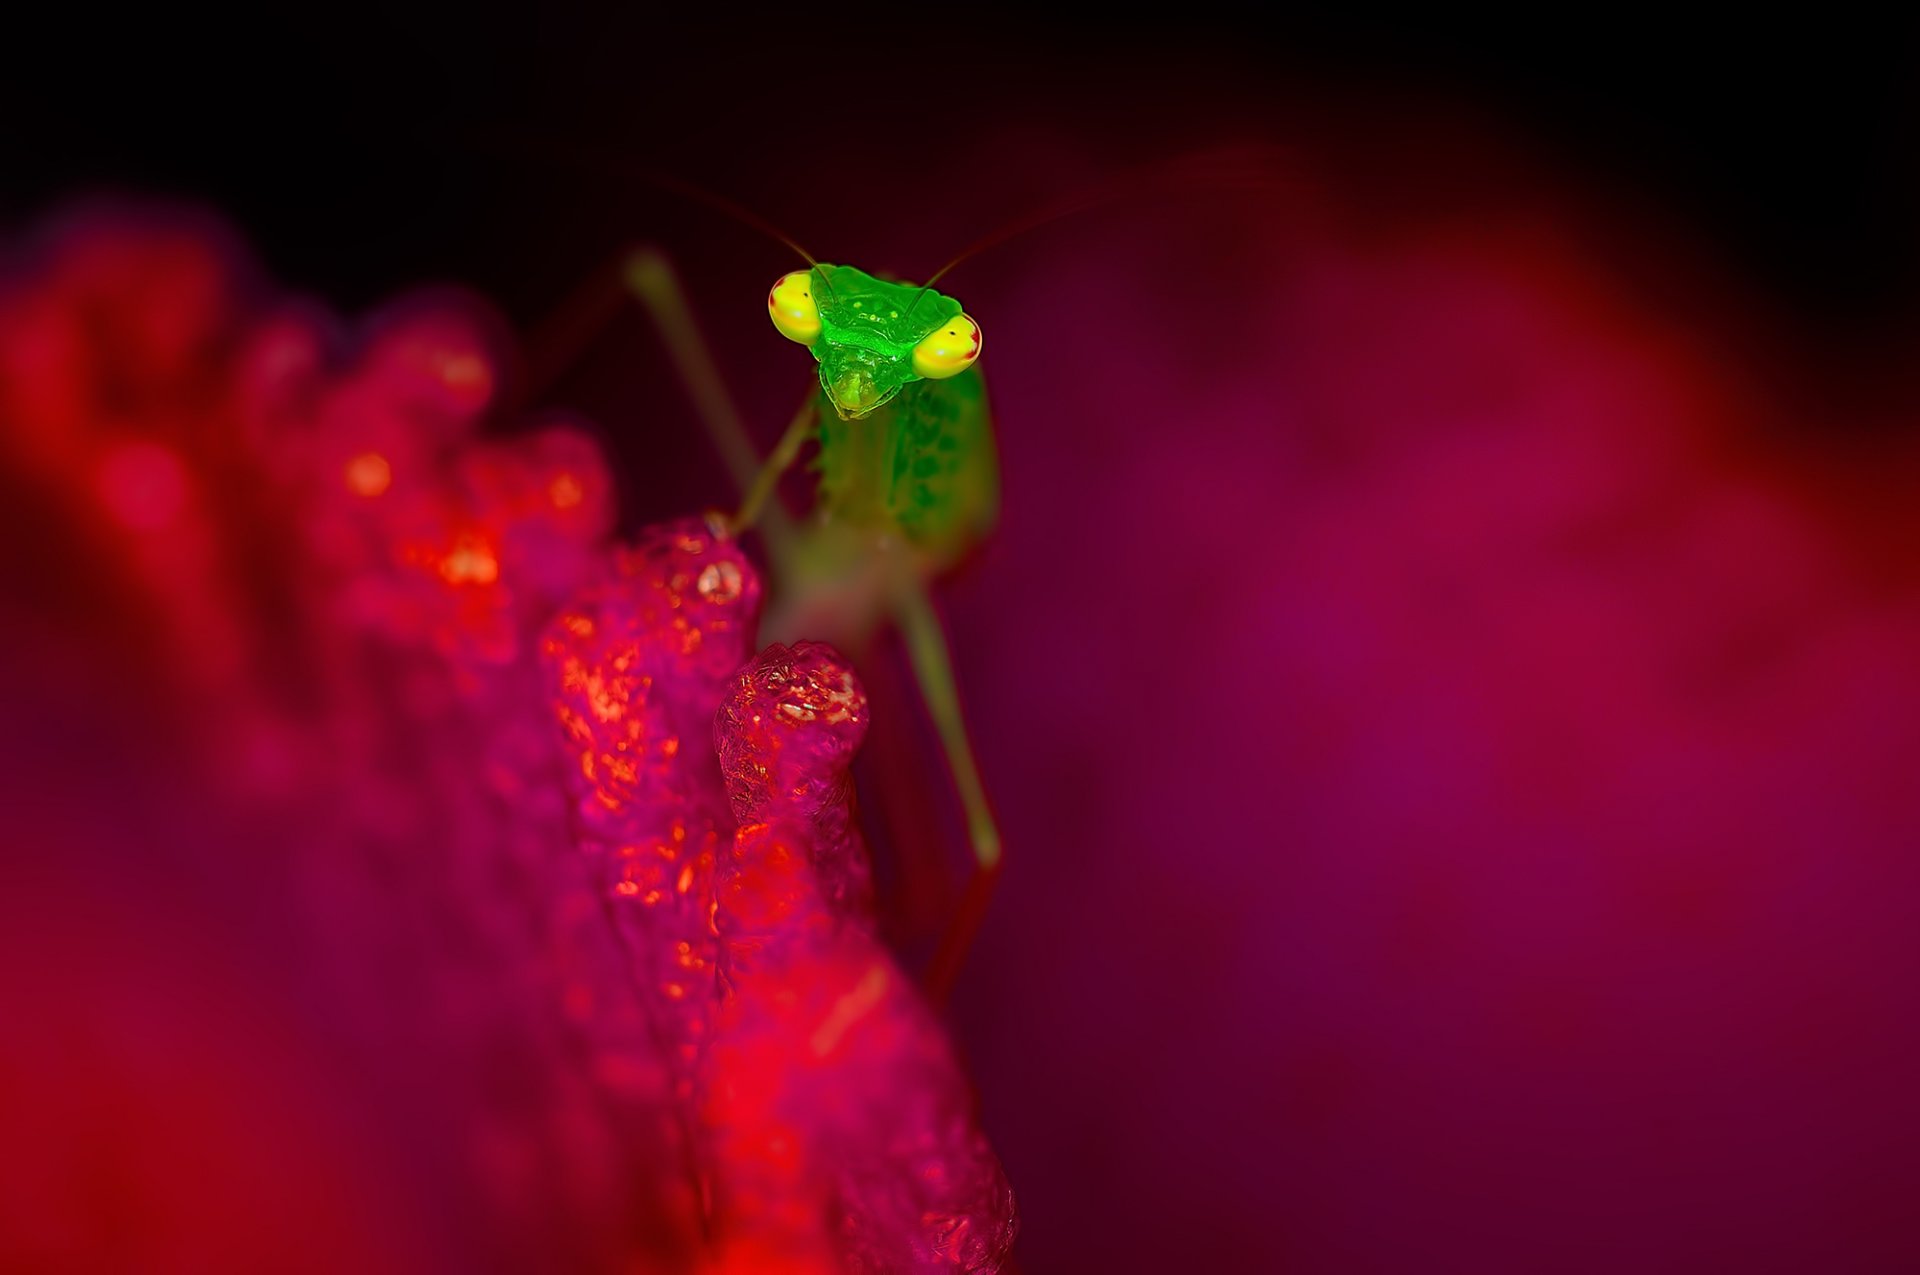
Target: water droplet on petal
x,y
720,582
368,474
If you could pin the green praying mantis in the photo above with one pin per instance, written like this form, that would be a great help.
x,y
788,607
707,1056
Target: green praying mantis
x,y
907,480
907,484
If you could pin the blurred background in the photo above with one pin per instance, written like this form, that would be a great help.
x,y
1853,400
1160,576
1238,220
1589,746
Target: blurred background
x,y
1446,670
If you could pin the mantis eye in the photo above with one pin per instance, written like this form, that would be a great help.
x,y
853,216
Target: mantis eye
x,y
791,306
949,349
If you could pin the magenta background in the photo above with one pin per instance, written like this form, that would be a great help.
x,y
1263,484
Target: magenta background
x,y
1456,763
1447,673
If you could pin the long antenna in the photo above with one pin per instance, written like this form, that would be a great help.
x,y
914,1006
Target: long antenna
x,y
721,204
1242,168
601,160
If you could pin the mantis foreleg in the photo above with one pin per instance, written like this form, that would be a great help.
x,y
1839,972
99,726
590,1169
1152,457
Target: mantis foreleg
x,y
651,279
926,645
777,463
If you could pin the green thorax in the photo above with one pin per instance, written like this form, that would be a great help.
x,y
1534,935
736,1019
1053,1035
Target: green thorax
x,y
921,468
868,329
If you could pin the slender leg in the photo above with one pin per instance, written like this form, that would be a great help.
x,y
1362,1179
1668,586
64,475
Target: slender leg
x,y
646,274
650,277
785,452
933,670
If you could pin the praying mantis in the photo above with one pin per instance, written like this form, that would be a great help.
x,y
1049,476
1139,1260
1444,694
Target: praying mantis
x,y
906,474
907,484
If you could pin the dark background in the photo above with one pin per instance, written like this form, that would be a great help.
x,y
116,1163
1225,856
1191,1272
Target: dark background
x,y
366,150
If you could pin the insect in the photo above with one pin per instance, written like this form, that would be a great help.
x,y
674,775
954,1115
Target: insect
x,y
907,475
907,484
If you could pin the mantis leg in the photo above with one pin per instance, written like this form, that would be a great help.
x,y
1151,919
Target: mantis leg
x,y
927,651
784,453
650,277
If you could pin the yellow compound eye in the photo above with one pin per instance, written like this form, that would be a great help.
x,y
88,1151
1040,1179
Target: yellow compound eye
x,y
791,306
951,348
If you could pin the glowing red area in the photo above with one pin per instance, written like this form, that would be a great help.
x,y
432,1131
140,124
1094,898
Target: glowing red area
x,y
818,1027
634,712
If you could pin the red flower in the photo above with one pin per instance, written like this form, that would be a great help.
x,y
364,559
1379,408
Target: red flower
x,y
427,770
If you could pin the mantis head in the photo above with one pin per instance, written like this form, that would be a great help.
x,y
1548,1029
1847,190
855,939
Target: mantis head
x,y
870,336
